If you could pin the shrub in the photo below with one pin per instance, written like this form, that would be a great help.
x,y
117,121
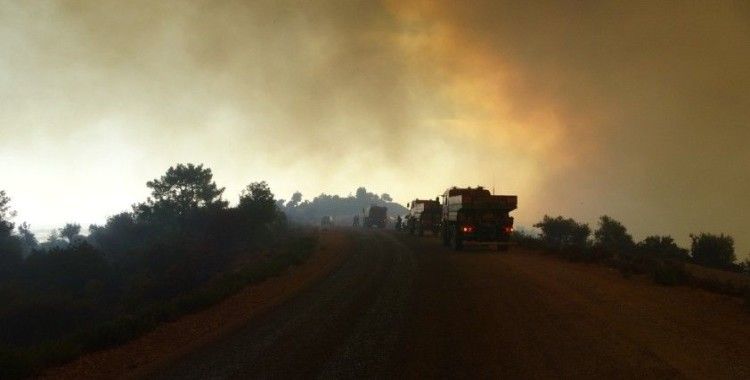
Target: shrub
x,y
526,239
560,233
613,236
13,364
669,273
662,246
713,250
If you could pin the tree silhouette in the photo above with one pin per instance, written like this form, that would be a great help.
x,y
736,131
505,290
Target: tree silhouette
x,y
560,232
361,193
713,250
27,237
257,200
70,231
183,188
613,236
6,226
295,201
663,246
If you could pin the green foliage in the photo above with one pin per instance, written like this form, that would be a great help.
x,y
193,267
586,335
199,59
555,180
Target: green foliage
x,y
182,189
612,236
713,250
561,233
167,258
70,231
11,247
27,237
6,214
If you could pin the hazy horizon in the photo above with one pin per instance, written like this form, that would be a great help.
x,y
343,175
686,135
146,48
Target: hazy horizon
x,y
637,111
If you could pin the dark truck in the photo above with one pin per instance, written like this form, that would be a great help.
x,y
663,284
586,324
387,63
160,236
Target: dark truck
x,y
375,216
424,215
474,215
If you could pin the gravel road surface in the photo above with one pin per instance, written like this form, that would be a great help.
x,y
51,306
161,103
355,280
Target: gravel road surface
x,y
401,306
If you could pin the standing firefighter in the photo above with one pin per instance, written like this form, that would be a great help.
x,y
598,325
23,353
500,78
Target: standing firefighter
x,y
475,215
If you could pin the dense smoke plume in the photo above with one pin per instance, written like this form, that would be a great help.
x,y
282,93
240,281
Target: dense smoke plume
x,y
639,111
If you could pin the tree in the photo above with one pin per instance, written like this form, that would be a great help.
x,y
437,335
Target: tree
x,y
560,232
183,188
613,236
663,246
713,250
6,214
10,246
295,201
27,237
53,237
361,193
70,231
257,200
386,197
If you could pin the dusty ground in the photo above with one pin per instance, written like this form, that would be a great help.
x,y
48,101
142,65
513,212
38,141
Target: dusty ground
x,y
178,338
407,307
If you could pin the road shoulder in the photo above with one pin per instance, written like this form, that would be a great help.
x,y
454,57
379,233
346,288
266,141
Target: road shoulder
x,y
172,340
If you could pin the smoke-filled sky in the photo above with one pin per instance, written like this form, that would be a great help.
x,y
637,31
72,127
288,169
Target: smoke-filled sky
x,y
636,110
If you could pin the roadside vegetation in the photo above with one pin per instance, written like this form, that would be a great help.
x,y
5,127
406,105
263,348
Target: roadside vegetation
x,y
181,250
656,256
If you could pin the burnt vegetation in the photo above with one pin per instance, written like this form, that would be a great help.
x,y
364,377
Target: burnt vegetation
x,y
175,253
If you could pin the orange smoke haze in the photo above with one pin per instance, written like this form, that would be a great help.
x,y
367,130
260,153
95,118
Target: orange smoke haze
x,y
636,110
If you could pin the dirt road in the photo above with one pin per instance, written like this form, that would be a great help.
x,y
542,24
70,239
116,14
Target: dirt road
x,y
400,305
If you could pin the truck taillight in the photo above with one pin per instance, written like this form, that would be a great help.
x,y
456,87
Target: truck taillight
x,y
467,229
508,229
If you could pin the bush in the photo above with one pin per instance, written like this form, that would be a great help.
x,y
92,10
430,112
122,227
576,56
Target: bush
x,y
13,364
613,236
669,273
525,239
560,233
662,246
715,251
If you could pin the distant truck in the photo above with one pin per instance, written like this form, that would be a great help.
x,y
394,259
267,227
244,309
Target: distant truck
x,y
424,215
474,215
375,216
